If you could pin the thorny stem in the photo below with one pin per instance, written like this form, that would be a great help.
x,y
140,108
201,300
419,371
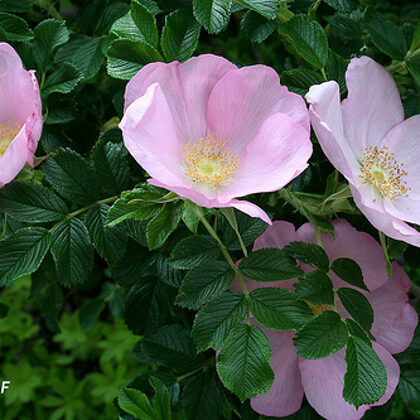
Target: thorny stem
x,y
223,248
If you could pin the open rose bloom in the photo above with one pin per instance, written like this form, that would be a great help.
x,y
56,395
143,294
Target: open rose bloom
x,y
20,114
211,132
322,380
367,139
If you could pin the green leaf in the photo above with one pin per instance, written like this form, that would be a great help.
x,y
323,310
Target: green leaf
x,y
250,228
343,5
167,274
321,337
62,80
357,306
49,34
243,363
22,253
110,242
212,14
256,27
136,403
121,211
72,252
413,66
15,28
309,254
269,264
126,28
308,38
365,379
72,177
111,166
126,57
163,224
336,70
90,312
215,321
161,400
409,388
171,346
355,330
143,302
316,287
16,6
194,251
180,35
51,303
279,309
203,283
145,22
300,80
202,397
89,58
386,35
266,8
345,27
31,203
349,271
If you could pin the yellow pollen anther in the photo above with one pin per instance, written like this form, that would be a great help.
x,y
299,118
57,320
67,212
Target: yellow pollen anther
x,y
210,161
8,132
380,168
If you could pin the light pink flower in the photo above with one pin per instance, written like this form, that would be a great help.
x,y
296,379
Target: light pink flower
x,y
368,141
322,380
211,132
20,114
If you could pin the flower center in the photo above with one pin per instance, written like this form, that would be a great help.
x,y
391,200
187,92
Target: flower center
x,y
210,161
8,132
380,168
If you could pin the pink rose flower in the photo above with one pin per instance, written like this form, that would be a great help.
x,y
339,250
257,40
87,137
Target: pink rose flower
x,y
211,132
20,114
322,380
367,140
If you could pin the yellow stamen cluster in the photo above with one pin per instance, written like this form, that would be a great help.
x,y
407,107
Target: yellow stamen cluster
x,y
8,132
210,161
380,168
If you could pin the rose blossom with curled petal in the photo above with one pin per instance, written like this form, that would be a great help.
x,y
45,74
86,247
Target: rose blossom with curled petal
x,y
212,132
20,114
322,381
367,139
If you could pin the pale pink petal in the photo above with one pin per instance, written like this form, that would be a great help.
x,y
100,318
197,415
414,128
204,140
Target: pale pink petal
x,y
326,119
33,125
391,226
15,157
150,136
249,208
286,394
200,199
403,140
277,154
19,94
365,250
395,319
323,382
186,86
244,98
373,104
278,235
